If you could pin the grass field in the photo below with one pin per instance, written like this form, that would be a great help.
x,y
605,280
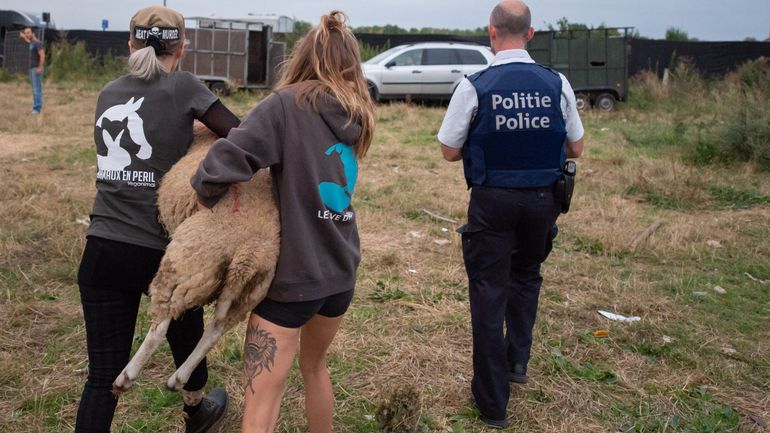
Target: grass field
x,y
698,361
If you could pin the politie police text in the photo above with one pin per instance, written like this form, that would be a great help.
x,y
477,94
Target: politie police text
x,y
523,101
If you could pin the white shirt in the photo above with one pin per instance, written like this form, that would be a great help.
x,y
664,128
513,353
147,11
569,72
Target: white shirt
x,y
465,103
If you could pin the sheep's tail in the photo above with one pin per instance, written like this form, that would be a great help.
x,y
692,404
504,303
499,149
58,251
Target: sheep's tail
x,y
248,278
175,289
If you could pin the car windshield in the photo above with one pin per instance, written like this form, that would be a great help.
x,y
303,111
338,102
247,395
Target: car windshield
x,y
380,57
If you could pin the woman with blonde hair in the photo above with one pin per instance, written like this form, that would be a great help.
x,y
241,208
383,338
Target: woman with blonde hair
x,y
144,124
310,132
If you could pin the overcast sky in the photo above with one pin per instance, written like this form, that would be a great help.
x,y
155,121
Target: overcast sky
x,y
703,19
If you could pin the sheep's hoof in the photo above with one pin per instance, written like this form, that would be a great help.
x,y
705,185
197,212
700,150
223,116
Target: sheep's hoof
x,y
121,383
175,383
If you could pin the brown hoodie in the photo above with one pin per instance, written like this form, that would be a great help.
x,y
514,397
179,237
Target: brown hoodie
x,y
314,170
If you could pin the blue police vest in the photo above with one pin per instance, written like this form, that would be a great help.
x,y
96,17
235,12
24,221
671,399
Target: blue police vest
x,y
518,138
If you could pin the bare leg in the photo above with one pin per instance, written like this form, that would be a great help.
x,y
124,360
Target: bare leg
x,y
315,339
151,342
267,357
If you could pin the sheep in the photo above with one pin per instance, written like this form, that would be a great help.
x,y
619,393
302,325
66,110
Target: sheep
x,y
227,255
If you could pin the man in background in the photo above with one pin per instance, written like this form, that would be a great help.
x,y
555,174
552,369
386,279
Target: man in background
x,y
36,64
513,125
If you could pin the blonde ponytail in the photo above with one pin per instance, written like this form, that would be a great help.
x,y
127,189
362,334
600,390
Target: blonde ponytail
x,y
144,64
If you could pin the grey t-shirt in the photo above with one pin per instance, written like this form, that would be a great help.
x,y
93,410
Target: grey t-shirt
x,y
34,53
142,128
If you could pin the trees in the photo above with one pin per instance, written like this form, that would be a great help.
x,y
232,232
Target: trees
x,y
390,29
678,35
300,29
563,26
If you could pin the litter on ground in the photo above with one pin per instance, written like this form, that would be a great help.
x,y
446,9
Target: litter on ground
x,y
713,243
619,317
753,278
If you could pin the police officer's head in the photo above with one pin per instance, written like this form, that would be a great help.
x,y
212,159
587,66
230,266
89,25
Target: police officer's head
x,y
510,25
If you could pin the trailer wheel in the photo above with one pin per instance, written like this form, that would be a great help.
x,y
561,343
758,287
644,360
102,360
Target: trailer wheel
x,y
605,102
582,102
219,88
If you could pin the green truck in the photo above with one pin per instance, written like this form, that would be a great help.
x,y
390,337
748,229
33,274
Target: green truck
x,y
594,61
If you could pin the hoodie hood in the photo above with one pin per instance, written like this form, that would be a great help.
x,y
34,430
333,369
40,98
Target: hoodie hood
x,y
336,118
332,112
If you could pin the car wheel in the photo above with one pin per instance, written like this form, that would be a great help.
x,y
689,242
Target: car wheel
x,y
372,91
582,102
605,102
219,88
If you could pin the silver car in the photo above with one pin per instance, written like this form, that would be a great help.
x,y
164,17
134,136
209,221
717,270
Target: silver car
x,y
429,70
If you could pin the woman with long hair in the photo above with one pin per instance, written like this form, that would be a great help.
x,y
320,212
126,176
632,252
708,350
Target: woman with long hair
x,y
144,124
310,132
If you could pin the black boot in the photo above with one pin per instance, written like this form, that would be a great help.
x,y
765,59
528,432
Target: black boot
x,y
492,423
518,373
211,412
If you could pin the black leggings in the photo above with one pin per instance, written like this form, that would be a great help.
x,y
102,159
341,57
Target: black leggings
x,y
112,277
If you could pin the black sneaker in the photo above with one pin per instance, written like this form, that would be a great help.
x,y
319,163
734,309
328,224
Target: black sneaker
x,y
518,374
211,412
492,423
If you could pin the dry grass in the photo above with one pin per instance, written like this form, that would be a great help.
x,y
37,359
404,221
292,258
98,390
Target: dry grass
x,y
409,324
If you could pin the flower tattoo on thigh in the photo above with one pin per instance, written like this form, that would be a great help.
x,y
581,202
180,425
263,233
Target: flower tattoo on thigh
x,y
258,354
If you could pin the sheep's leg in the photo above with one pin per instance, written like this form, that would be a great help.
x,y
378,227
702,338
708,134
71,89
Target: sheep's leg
x,y
210,336
154,337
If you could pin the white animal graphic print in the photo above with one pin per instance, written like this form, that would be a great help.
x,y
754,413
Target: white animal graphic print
x,y
135,126
117,158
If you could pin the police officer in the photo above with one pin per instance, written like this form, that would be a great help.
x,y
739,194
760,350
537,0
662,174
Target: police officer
x,y
513,125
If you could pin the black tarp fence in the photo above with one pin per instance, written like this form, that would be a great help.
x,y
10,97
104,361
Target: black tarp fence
x,y
383,41
711,59
97,43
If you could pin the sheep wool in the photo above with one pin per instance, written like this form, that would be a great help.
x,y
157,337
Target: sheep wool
x,y
226,256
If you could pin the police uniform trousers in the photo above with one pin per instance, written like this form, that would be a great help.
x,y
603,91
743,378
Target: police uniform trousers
x,y
508,235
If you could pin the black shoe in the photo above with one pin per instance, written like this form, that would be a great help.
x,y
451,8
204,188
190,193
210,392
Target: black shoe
x,y
518,374
492,423
211,412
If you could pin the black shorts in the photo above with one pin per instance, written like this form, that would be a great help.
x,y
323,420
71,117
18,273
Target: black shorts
x,y
296,314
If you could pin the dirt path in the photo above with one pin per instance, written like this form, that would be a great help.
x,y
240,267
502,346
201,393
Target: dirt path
x,y
13,145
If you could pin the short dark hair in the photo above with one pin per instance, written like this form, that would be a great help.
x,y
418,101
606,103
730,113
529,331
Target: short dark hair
x,y
509,24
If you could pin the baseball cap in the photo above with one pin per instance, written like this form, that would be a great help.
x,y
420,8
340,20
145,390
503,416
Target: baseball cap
x,y
159,26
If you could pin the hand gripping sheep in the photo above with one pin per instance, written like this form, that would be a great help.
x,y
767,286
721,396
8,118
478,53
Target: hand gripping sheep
x,y
227,255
